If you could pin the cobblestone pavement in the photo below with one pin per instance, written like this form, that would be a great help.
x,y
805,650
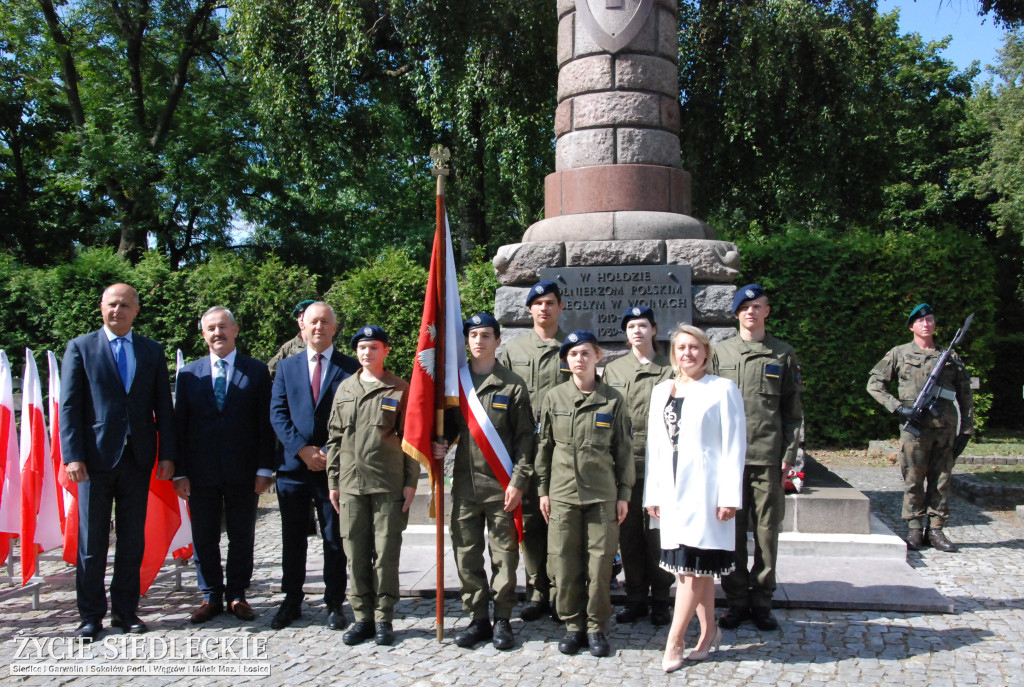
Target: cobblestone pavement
x,y
979,644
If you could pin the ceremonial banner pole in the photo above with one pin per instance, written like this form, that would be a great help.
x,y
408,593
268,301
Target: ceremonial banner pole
x,y
433,384
439,389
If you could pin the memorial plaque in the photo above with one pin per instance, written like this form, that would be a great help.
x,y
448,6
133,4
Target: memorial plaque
x,y
596,297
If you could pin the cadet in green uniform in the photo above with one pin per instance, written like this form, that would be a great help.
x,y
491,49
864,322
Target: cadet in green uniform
x,y
534,357
585,479
634,376
768,375
372,484
478,497
932,455
292,346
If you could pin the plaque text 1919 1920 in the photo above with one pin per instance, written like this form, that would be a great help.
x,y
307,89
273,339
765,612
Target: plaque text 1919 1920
x,y
595,297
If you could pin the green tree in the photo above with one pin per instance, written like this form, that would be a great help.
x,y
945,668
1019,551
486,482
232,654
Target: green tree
x,y
352,93
852,123
999,107
147,123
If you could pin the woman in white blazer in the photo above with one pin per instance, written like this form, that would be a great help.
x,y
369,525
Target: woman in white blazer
x,y
696,441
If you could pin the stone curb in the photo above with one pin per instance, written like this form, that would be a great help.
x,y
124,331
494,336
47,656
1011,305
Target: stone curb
x,y
987,494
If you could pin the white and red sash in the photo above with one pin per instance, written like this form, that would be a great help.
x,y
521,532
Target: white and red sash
x,y
486,436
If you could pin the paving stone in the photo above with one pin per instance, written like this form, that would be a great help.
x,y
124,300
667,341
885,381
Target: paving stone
x,y
977,644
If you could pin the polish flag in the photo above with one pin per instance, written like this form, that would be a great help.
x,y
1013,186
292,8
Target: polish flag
x,y
10,463
181,545
67,492
163,520
40,518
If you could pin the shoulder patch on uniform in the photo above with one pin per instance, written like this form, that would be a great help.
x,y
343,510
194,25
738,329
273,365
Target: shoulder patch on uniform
x,y
603,420
499,402
389,404
772,371
564,367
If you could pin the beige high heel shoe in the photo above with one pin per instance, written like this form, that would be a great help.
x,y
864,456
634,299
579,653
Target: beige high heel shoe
x,y
715,644
670,665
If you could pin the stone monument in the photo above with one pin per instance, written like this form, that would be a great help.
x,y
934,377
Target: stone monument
x,y
619,198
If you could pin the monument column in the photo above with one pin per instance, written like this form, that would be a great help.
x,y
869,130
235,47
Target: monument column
x,y
619,196
617,166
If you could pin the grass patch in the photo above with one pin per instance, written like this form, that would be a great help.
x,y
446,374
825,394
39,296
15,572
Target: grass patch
x,y
998,474
999,443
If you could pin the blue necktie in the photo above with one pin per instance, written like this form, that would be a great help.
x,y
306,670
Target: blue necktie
x,y
121,358
220,384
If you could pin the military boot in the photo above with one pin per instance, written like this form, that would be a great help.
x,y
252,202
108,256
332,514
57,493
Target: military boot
x,y
938,540
915,539
477,631
503,637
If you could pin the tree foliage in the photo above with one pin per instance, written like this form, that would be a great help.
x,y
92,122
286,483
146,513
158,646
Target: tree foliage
x,y
127,117
352,93
842,302
852,123
43,308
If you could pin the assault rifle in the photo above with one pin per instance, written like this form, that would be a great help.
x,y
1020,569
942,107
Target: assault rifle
x,y
931,392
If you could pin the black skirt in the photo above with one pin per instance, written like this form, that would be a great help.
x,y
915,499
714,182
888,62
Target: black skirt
x,y
689,560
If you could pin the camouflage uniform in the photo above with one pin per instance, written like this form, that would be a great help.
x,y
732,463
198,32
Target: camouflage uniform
x,y
639,543
538,364
287,350
930,456
768,376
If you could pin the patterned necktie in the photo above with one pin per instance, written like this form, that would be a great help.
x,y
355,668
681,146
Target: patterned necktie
x,y
220,384
121,358
316,377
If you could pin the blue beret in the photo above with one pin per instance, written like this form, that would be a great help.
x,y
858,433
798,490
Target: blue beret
x,y
369,333
580,336
543,288
746,293
919,311
637,312
301,307
481,319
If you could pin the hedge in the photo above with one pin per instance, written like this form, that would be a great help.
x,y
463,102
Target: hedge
x,y
45,308
842,302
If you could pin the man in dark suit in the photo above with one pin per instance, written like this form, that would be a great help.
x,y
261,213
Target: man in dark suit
x,y
115,414
300,408
225,460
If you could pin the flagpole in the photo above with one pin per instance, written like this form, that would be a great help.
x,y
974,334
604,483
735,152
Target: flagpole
x,y
440,156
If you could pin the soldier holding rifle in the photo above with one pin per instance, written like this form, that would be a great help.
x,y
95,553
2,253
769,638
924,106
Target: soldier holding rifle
x,y
930,438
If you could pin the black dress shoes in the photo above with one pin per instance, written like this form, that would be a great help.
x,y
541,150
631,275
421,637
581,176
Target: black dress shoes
x,y
660,613
384,635
289,612
571,642
533,610
477,631
336,619
130,624
503,637
358,633
89,631
631,613
733,617
938,540
763,618
598,644
208,611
